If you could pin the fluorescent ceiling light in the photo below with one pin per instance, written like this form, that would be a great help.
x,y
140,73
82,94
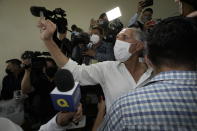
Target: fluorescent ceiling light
x,y
113,14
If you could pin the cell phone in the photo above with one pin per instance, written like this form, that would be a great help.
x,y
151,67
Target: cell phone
x,y
147,3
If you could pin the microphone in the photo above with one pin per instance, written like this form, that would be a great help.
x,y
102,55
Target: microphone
x,y
66,96
64,80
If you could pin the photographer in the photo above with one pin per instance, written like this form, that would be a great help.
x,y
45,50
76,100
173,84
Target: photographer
x,y
75,31
146,15
37,83
58,16
12,81
102,21
110,28
99,50
80,44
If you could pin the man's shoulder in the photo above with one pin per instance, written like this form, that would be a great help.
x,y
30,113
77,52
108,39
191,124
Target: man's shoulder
x,y
135,98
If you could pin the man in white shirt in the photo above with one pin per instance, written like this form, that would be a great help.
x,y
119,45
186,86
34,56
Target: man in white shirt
x,y
115,77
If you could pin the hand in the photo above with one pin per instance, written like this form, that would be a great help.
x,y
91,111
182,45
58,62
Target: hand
x,y
78,115
47,29
26,61
140,7
138,46
63,118
90,52
101,106
27,65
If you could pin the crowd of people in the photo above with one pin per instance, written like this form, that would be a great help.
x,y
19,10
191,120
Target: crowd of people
x,y
147,72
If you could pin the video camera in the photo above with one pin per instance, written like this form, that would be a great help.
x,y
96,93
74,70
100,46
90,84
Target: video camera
x,y
147,3
114,28
57,16
111,29
36,61
82,38
80,44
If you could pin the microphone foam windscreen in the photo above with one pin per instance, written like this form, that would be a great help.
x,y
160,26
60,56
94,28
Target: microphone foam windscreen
x,y
64,80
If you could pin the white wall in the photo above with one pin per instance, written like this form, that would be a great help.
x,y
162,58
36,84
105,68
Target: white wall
x,y
18,31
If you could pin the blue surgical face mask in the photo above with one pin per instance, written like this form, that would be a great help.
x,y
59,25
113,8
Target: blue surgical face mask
x,y
146,19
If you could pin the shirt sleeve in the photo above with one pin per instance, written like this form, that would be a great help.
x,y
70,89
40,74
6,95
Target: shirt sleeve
x,y
86,75
52,126
113,119
133,19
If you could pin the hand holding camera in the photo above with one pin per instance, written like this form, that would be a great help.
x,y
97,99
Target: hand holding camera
x,y
47,29
144,4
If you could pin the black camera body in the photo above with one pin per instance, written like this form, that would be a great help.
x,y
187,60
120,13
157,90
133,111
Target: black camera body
x,y
57,16
114,28
37,63
82,38
80,44
147,3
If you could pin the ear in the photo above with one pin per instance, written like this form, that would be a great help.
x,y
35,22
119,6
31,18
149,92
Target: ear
x,y
134,48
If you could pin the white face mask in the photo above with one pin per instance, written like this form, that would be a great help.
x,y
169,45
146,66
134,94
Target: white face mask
x,y
121,50
94,39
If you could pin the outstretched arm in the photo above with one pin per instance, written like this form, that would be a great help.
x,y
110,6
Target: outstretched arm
x,y
47,29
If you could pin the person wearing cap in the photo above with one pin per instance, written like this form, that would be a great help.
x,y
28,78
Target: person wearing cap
x,y
141,17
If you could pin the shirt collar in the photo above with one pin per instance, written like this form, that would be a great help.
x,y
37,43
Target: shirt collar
x,y
175,75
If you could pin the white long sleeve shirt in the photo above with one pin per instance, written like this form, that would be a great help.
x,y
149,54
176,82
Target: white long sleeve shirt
x,y
113,77
52,126
8,125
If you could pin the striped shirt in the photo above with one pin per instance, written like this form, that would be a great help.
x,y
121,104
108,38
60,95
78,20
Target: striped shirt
x,y
167,102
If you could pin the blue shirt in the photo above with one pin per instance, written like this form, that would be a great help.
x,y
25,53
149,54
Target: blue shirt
x,y
167,102
105,52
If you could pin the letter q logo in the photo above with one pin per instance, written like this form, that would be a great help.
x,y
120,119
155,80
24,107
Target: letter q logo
x,y
62,103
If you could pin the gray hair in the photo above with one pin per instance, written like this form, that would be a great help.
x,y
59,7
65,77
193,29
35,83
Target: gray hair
x,y
139,35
